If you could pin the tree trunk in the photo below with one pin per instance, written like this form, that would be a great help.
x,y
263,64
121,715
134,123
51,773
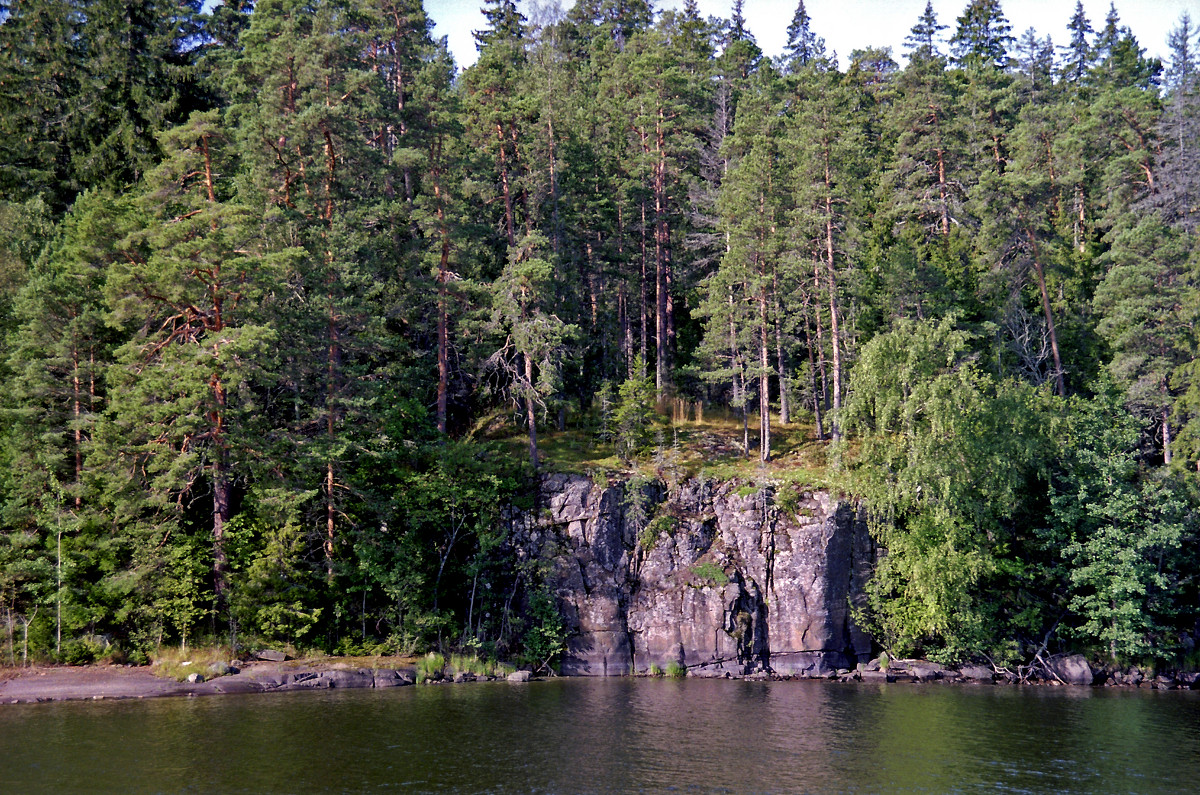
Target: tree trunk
x,y
831,276
505,188
764,396
531,417
785,413
1166,428
443,366
820,351
1059,379
812,363
220,488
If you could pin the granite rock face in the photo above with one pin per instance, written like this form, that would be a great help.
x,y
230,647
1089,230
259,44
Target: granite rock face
x,y
711,576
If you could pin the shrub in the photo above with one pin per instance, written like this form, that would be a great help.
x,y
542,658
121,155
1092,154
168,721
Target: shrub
x,y
665,523
546,638
676,670
654,670
80,651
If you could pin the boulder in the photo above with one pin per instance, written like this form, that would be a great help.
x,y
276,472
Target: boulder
x,y
1072,669
270,655
519,676
924,671
195,679
387,678
977,673
338,678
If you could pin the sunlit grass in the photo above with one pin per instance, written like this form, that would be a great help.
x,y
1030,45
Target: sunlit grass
x,y
177,662
710,446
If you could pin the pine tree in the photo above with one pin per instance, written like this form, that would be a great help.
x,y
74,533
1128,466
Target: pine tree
x,y
825,174
495,86
307,110
186,391
743,301
930,151
534,336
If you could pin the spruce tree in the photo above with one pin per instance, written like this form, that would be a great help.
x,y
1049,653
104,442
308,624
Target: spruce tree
x,y
922,42
1077,55
803,47
42,65
983,36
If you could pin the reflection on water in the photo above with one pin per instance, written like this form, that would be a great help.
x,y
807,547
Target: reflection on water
x,y
614,736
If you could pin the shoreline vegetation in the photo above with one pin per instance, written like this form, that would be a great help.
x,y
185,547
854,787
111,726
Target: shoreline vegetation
x,y
47,684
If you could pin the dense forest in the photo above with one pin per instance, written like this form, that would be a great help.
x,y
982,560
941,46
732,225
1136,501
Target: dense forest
x,y
271,276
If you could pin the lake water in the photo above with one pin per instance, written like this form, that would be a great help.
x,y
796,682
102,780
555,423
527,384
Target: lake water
x,y
616,735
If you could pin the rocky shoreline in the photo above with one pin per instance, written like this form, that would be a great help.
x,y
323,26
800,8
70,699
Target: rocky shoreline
x,y
96,683
1063,670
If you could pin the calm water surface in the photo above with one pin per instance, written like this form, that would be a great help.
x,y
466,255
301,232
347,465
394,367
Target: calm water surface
x,y
614,736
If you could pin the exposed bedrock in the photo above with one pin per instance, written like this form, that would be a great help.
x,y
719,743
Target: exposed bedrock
x,y
713,576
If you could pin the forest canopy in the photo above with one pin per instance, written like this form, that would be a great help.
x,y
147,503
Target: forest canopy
x,y
272,275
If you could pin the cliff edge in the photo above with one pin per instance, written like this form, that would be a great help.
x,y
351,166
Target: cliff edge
x,y
712,576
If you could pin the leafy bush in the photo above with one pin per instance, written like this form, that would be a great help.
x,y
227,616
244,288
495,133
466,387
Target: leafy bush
x,y
80,651
675,670
654,670
546,638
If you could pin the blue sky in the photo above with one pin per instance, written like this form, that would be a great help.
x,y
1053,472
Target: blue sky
x,y
852,24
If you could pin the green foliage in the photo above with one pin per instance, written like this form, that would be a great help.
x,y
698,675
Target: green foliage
x,y
635,415
261,272
1117,530
674,670
948,457
430,667
546,636
709,575
654,670
663,523
273,591
787,501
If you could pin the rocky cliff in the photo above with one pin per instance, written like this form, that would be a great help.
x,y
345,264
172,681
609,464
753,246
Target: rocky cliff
x,y
716,577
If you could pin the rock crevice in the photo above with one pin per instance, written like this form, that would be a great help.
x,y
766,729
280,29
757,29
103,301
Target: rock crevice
x,y
730,583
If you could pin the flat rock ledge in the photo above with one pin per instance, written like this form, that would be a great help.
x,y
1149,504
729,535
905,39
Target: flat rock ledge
x,y
97,683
